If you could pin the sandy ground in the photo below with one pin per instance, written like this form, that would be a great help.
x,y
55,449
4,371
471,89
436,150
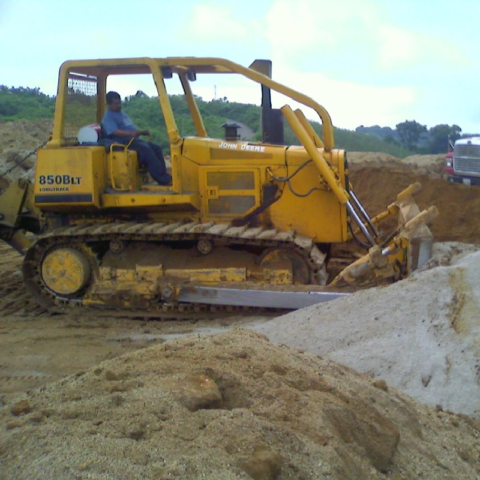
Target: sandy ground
x,y
230,406
171,401
37,348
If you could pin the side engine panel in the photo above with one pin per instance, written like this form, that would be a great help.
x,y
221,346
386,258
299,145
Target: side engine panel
x,y
66,178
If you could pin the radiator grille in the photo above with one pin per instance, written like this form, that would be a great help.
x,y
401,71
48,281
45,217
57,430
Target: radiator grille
x,y
467,150
231,180
231,204
466,159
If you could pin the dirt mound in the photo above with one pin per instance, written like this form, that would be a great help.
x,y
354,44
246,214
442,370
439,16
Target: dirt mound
x,y
230,406
13,296
371,158
422,334
420,164
459,205
427,164
17,140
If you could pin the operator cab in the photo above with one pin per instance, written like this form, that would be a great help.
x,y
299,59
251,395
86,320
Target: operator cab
x,y
81,105
124,173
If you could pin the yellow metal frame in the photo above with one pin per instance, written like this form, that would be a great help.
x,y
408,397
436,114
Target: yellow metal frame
x,y
142,200
317,157
192,105
179,65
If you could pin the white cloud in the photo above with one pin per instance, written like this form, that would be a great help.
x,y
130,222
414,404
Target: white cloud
x,y
349,104
328,35
397,47
400,48
215,22
302,27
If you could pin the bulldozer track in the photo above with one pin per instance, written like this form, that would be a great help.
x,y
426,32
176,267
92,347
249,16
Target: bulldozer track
x,y
87,235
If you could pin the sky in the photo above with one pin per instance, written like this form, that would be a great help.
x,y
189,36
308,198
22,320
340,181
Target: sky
x,y
368,62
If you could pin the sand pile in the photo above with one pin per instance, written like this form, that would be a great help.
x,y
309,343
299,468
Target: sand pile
x,y
230,406
421,335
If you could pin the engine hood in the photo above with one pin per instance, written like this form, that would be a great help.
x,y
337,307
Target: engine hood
x,y
468,141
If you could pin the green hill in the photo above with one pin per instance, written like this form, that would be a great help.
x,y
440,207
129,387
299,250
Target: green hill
x,y
31,104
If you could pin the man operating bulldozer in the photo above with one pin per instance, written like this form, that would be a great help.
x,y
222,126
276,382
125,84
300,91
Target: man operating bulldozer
x,y
118,126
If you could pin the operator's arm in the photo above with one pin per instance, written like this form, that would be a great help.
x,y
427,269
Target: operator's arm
x,y
120,125
130,133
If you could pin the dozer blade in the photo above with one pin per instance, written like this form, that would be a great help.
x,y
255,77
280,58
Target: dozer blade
x,y
256,298
381,263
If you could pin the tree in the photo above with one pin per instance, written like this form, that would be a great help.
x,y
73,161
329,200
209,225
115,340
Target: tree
x,y
390,140
409,132
440,135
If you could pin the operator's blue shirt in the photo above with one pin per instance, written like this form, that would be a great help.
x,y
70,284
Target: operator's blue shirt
x,y
117,121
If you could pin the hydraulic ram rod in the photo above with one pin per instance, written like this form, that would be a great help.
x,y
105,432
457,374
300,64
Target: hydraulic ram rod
x,y
360,224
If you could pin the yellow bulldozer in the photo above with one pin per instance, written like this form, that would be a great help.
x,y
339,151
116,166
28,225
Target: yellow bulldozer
x,y
244,224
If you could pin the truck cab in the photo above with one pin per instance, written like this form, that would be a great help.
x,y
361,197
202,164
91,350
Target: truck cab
x,y
463,164
448,168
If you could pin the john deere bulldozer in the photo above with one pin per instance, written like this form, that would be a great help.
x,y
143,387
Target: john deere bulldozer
x,y
245,224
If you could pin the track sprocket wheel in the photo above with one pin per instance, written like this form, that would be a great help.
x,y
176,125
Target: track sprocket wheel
x,y
58,272
65,270
282,258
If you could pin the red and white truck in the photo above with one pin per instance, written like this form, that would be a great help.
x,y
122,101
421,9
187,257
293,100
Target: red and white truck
x,y
462,163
